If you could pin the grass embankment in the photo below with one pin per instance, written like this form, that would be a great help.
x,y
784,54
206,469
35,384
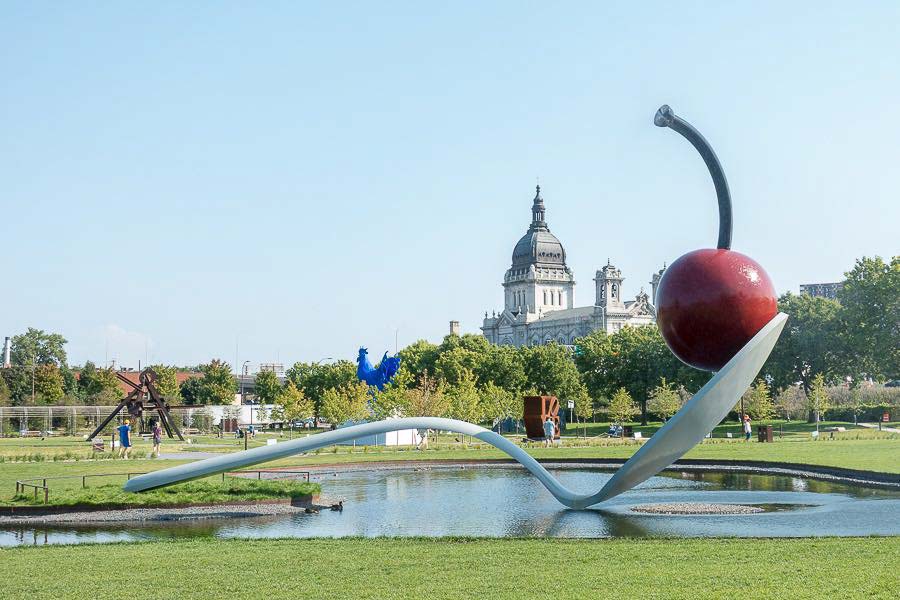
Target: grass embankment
x,y
462,568
108,488
868,455
208,491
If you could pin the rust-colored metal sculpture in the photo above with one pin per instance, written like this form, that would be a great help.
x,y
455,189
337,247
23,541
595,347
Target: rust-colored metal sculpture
x,y
143,396
537,409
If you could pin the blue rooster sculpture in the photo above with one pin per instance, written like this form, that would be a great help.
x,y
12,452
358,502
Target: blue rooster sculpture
x,y
380,376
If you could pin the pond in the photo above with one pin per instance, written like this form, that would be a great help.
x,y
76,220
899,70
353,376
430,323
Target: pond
x,y
505,501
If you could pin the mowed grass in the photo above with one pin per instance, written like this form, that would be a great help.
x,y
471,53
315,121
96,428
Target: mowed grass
x,y
105,479
207,491
881,455
458,568
113,472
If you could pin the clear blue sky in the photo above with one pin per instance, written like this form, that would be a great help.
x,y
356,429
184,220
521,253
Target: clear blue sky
x,y
303,179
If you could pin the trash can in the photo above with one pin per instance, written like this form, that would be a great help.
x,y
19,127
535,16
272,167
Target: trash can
x,y
764,433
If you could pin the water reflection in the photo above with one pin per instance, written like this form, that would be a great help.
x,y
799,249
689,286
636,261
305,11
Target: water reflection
x,y
504,501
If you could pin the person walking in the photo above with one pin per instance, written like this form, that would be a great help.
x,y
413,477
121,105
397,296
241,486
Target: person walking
x,y
747,428
549,430
125,437
157,438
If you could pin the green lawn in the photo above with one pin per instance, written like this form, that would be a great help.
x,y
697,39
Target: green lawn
x,y
10,472
105,479
867,454
455,569
207,491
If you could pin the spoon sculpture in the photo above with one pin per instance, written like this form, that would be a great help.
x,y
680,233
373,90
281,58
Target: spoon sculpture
x,y
681,433
731,331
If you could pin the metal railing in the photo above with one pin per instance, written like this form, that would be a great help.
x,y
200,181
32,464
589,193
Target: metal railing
x,y
26,483
22,484
259,473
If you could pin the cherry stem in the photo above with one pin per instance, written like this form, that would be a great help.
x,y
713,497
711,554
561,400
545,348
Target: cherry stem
x,y
665,117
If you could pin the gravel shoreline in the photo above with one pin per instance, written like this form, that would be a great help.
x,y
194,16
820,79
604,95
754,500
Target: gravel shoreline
x,y
149,515
696,508
171,514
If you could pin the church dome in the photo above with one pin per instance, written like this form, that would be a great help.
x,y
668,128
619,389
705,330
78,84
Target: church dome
x,y
538,246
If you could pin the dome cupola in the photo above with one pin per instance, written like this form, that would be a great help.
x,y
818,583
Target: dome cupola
x,y
538,247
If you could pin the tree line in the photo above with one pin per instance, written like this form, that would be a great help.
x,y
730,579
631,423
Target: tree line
x,y
828,351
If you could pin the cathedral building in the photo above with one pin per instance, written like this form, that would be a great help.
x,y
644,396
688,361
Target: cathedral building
x,y
539,294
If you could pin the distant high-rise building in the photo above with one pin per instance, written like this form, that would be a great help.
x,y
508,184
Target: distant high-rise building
x,y
822,290
6,349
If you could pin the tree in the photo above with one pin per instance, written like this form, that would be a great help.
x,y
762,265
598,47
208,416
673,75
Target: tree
x,y
70,385
621,407
584,406
453,363
870,318
465,402
295,404
167,382
418,358
664,401
504,367
5,398
808,344
759,402
190,390
262,414
98,386
499,404
817,400
36,345
217,384
635,358
345,403
314,378
277,413
790,401
393,400
267,387
428,399
18,382
48,384
549,370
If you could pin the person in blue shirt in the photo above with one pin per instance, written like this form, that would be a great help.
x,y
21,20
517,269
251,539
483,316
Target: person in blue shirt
x,y
549,430
125,437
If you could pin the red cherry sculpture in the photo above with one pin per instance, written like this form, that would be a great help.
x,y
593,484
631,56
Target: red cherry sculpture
x,y
711,302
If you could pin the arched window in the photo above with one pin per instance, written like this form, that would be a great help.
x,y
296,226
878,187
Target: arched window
x,y
545,296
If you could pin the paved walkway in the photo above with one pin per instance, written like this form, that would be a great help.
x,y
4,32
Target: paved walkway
x,y
188,455
875,426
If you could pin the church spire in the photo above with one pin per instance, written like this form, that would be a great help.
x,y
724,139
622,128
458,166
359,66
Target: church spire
x,y
537,211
